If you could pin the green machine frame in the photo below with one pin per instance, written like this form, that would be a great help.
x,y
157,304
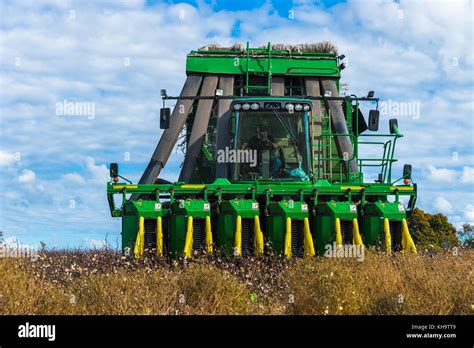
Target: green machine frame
x,y
244,218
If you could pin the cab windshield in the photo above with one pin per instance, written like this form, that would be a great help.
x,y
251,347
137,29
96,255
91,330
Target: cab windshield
x,y
271,145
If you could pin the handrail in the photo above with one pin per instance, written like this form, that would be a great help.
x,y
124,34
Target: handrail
x,y
386,160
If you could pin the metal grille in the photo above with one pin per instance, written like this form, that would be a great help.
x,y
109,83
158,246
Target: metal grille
x,y
346,231
396,235
198,234
150,233
247,237
297,227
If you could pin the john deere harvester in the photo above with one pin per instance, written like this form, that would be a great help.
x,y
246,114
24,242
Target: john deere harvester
x,y
273,162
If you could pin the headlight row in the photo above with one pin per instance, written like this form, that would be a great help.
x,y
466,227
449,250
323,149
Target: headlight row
x,y
256,106
297,107
246,106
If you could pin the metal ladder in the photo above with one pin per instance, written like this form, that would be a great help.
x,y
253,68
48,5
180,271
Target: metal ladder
x,y
323,149
266,51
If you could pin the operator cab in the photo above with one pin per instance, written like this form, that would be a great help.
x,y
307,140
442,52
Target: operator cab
x,y
270,139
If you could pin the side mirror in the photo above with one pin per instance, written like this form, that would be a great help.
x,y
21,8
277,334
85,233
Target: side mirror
x,y
393,123
374,120
114,172
380,178
165,115
407,171
370,94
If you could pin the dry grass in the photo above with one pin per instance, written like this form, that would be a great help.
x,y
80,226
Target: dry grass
x,y
103,282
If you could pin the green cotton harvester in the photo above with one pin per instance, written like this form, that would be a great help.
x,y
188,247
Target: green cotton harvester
x,y
273,162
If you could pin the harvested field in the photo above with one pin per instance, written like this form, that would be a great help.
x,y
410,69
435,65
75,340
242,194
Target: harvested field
x,y
104,282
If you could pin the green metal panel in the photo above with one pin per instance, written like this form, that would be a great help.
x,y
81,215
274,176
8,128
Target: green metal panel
x,y
129,230
371,228
274,225
149,209
323,232
325,221
275,233
279,62
225,233
288,208
131,214
371,223
181,210
245,208
197,208
178,224
261,188
342,210
278,212
229,210
390,210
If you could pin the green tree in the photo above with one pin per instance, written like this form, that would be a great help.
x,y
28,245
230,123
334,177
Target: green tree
x,y
432,231
467,235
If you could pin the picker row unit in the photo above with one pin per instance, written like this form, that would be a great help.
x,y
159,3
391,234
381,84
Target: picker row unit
x,y
275,157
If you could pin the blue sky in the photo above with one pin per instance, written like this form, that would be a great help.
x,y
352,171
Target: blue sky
x,y
119,54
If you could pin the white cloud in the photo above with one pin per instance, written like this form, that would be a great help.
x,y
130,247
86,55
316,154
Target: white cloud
x,y
73,178
27,177
12,195
98,173
469,213
443,205
467,176
6,158
441,174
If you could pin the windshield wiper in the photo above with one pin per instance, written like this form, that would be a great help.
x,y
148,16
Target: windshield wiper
x,y
285,126
295,145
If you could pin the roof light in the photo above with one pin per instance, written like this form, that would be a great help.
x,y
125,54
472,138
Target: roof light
x,y
237,107
306,107
298,107
246,106
289,106
255,106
